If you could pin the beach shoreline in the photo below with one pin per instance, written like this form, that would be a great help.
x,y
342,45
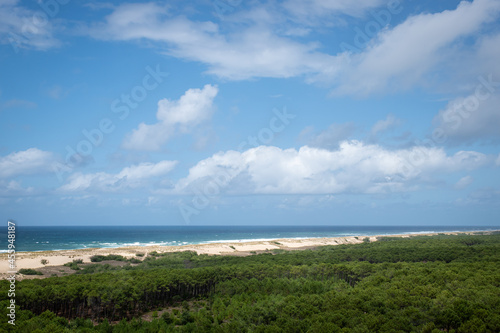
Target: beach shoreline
x,y
33,260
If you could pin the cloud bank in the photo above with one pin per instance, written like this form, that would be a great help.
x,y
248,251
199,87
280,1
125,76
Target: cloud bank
x,y
353,168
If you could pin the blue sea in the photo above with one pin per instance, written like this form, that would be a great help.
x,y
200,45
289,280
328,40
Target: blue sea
x,y
47,238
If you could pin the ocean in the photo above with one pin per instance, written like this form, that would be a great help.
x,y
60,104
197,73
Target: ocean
x,y
29,238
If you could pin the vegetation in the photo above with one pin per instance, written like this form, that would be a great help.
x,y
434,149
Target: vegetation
x,y
73,265
29,271
419,284
99,258
134,261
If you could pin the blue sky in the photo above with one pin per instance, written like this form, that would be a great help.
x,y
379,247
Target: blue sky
x,y
250,112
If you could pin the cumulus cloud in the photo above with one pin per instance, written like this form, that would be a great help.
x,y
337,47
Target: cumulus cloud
x,y
353,168
25,28
26,162
128,178
193,108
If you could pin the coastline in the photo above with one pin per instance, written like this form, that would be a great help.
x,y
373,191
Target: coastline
x,y
239,248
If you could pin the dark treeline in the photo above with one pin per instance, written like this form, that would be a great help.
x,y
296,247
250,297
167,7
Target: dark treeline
x,y
128,293
419,284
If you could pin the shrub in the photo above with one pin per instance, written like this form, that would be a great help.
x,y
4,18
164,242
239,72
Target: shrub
x,y
99,258
167,318
29,271
186,317
73,265
134,261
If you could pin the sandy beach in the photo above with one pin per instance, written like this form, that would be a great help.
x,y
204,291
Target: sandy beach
x,y
58,258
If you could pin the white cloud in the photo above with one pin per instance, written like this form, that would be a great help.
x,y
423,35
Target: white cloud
x,y
480,58
384,125
30,161
130,177
255,51
488,52
353,168
399,58
25,28
14,189
193,108
471,119
464,182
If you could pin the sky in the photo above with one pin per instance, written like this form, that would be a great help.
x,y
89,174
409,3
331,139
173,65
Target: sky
x,y
230,112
